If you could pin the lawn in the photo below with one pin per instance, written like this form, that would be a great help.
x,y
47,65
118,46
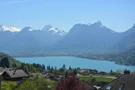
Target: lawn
x,y
98,78
8,85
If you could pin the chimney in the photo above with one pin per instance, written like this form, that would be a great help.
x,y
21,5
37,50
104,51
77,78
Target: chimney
x,y
123,85
14,72
127,71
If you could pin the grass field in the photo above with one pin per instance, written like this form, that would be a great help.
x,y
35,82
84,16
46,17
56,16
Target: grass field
x,y
98,78
8,85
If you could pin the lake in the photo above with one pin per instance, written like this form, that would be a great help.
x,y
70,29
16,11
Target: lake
x,y
75,62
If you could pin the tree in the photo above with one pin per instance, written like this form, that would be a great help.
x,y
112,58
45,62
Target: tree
x,y
119,72
51,70
61,70
5,62
14,65
48,67
22,66
37,84
33,69
55,70
43,66
64,66
70,67
26,69
111,71
71,83
75,71
78,68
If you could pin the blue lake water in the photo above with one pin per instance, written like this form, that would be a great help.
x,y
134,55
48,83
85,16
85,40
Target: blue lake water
x,y
75,62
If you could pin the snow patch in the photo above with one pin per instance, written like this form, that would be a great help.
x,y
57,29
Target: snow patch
x,y
9,28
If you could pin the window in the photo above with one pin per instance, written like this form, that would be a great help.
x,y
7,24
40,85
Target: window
x,y
108,87
123,85
120,88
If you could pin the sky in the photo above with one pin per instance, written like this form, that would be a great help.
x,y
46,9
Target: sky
x,y
118,15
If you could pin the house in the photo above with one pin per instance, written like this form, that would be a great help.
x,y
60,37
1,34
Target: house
x,y
14,74
124,82
90,87
103,73
82,71
94,71
2,70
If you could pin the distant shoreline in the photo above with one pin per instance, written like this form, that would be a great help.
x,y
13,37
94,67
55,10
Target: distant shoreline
x,y
78,56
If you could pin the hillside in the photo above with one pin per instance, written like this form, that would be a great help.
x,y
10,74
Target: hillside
x,y
127,41
85,40
93,38
125,58
8,61
28,40
89,38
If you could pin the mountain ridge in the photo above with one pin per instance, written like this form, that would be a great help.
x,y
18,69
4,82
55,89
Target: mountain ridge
x,y
47,28
86,38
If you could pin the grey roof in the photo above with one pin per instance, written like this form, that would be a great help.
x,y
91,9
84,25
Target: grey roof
x,y
126,82
2,70
16,73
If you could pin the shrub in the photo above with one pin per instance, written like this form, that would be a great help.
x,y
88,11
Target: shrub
x,y
70,83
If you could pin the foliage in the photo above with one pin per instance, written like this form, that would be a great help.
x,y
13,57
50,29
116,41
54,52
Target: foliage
x,y
26,69
4,62
70,83
8,61
75,71
61,70
97,78
39,83
117,72
64,66
125,58
8,85
48,67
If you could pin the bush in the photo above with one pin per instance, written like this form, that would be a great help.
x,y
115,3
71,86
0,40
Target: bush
x,y
36,84
8,85
70,83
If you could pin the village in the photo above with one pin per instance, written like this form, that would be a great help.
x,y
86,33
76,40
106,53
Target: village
x,y
93,79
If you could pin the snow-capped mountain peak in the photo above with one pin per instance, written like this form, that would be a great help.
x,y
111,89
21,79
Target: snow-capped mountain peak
x,y
47,27
53,30
27,29
9,28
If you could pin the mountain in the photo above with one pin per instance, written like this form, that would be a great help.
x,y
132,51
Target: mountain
x,y
52,30
127,57
128,40
9,28
92,38
27,40
82,38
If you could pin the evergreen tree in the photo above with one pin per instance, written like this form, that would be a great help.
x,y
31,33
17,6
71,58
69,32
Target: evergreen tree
x,y
64,66
14,65
43,66
48,67
26,69
70,68
5,62
75,72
